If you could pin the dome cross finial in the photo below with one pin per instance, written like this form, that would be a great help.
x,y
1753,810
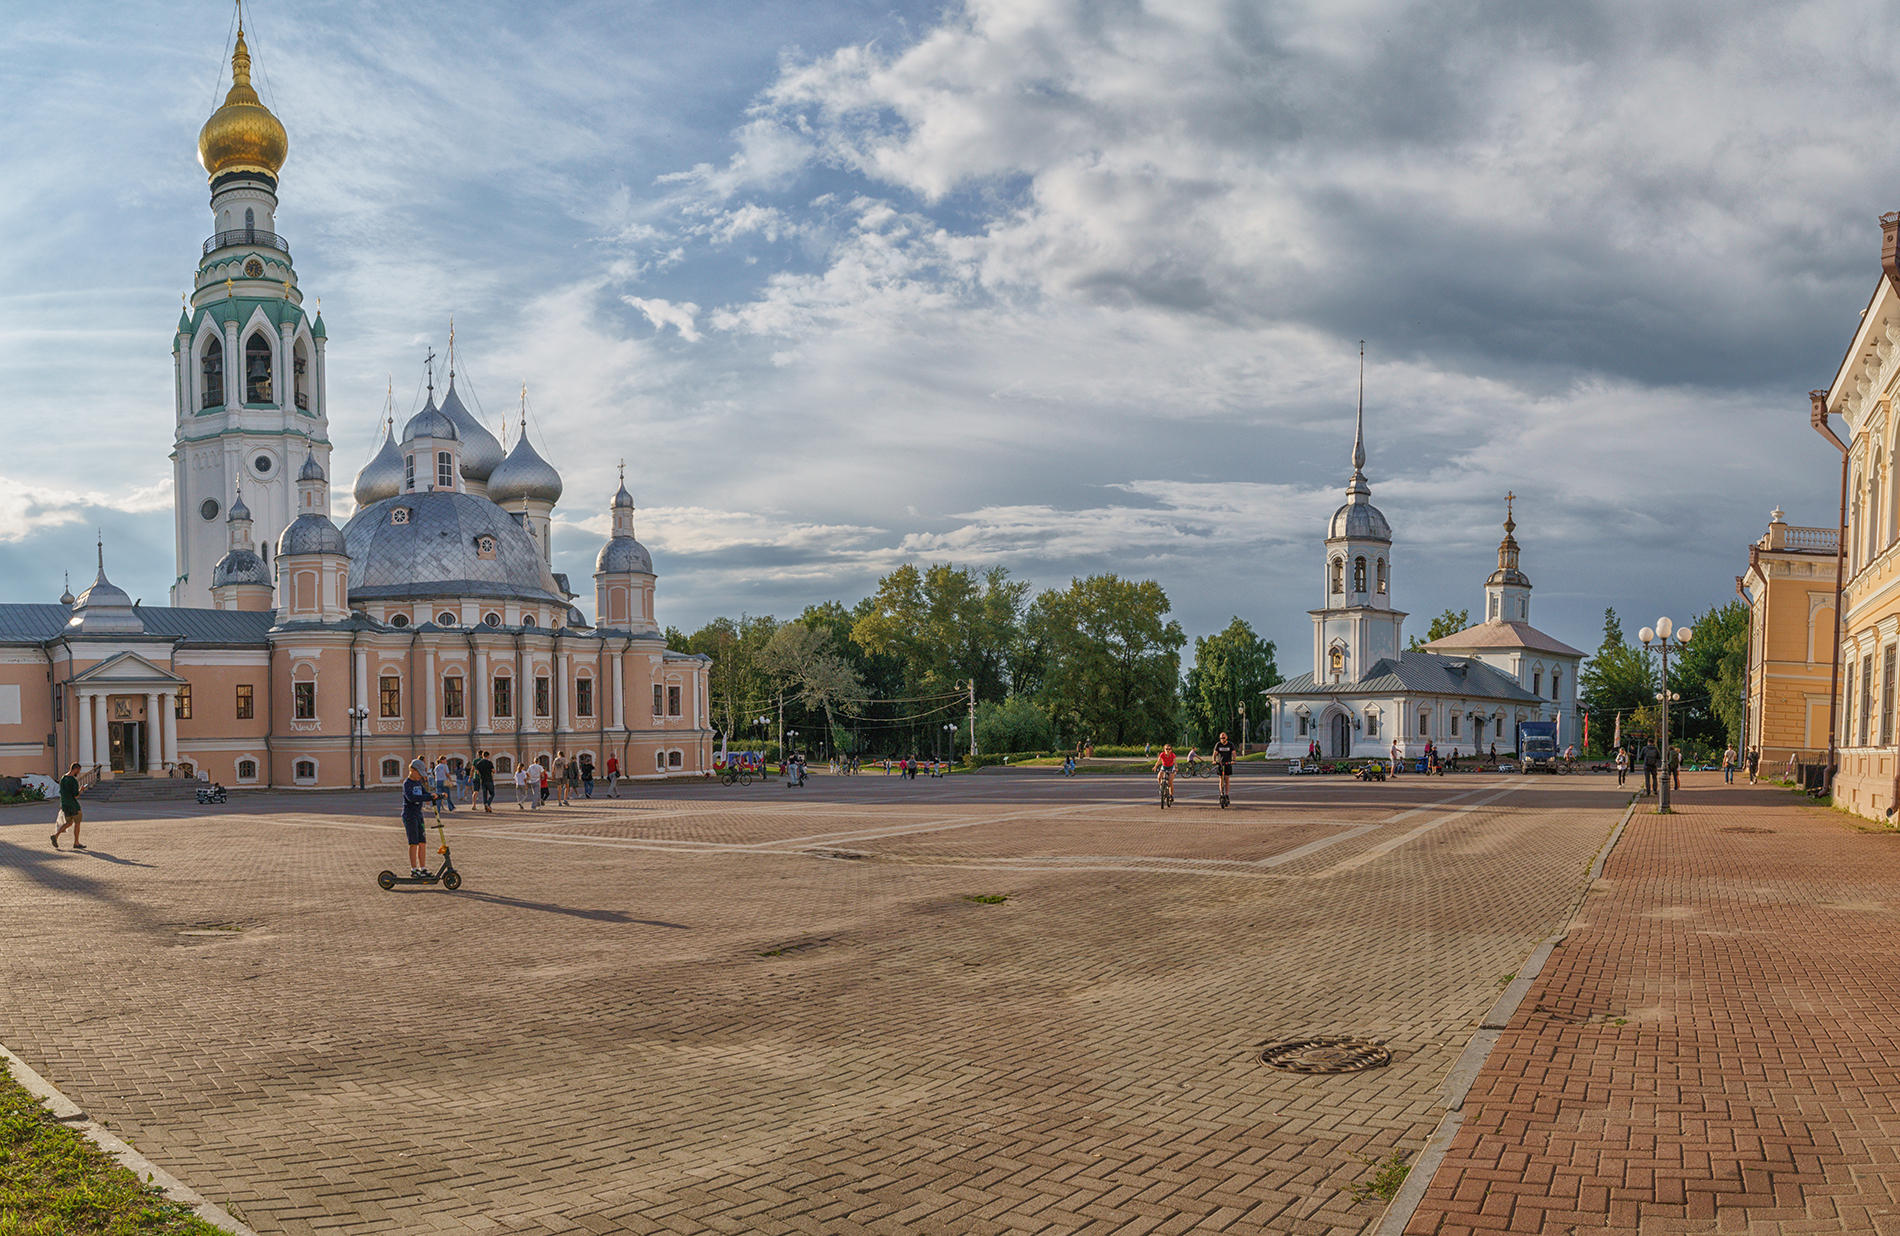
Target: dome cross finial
x,y
1357,490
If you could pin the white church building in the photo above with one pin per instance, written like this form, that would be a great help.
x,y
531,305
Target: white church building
x,y
1465,692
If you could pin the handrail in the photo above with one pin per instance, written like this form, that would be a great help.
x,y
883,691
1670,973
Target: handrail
x,y
246,236
1813,538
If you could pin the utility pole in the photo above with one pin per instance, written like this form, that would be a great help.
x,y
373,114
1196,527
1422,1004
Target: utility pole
x,y
1243,727
973,721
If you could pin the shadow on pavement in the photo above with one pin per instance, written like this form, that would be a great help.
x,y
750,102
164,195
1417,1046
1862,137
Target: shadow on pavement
x,y
596,916
49,868
94,851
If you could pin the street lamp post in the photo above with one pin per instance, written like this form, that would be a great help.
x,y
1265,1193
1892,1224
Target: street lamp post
x,y
359,721
950,732
1660,635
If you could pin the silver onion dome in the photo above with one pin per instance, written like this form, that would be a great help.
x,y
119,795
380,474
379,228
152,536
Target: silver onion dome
x,y
481,450
311,470
524,474
429,423
622,498
1361,521
238,510
240,566
383,476
311,534
623,554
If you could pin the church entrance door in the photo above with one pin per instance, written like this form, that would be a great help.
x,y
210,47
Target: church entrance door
x,y
1342,736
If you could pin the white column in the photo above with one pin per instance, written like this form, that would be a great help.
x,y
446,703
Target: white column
x,y
85,728
154,735
524,695
319,389
283,388
563,691
481,690
620,691
233,370
101,736
168,705
428,691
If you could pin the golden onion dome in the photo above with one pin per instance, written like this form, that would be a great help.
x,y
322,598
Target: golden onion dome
x,y
242,136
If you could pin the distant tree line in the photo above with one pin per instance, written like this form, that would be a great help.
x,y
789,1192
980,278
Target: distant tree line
x,y
1097,662
1623,680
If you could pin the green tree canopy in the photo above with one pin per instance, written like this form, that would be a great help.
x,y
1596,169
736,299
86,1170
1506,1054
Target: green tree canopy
x,y
1615,682
945,625
1015,724
1111,660
1230,669
1448,623
804,662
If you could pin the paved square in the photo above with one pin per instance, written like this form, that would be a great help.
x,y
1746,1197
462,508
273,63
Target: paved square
x,y
753,1009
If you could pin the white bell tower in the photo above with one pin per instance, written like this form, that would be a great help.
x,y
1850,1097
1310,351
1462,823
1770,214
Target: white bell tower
x,y
247,362
1356,626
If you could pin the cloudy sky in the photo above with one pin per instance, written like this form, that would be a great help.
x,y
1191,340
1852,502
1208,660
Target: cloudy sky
x,y
1069,286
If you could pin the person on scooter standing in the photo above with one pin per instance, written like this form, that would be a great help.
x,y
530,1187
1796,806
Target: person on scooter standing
x,y
1224,763
485,773
415,792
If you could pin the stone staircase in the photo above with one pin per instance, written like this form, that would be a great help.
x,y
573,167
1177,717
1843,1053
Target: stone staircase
x,y
139,788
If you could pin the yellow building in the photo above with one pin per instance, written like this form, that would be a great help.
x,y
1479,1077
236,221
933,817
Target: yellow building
x,y
1863,395
1790,592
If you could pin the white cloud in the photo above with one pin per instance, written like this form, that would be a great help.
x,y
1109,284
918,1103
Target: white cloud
x,y
664,313
27,509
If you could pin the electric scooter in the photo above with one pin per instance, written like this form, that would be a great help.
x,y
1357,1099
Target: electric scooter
x,y
448,877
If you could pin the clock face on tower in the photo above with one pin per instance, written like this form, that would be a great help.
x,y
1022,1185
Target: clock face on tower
x,y
254,268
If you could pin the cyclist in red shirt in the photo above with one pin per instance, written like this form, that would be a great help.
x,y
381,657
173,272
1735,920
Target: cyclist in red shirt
x,y
1164,771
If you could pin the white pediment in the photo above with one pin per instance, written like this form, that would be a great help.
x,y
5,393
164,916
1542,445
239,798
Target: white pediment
x,y
127,669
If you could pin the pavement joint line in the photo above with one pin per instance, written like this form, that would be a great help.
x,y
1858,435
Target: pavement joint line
x,y
74,1117
1386,847
1458,1082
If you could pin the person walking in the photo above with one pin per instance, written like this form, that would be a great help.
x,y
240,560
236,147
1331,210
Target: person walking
x,y
442,781
415,792
587,777
1675,768
613,776
485,776
1622,764
1754,763
521,786
541,782
1728,765
1652,760
560,778
69,813
573,779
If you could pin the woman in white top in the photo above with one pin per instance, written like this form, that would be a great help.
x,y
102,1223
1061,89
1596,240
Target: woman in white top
x,y
521,785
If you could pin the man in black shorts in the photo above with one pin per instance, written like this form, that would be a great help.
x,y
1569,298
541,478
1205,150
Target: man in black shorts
x,y
485,779
1224,763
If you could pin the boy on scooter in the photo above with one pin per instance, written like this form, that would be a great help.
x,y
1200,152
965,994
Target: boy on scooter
x,y
415,792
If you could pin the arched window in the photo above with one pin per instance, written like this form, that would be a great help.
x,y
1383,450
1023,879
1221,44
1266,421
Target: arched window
x,y
1339,660
257,381
250,226
306,770
1382,577
1359,575
409,472
674,759
300,375
659,761
505,765
392,769
212,367
1339,575
247,770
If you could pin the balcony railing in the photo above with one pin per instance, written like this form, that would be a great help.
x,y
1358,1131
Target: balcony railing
x,y
246,236
1822,540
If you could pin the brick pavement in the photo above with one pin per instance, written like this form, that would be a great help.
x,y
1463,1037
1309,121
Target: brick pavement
x,y
1714,1048
752,1010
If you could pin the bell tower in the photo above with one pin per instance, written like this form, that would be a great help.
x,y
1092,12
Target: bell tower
x,y
1507,594
247,361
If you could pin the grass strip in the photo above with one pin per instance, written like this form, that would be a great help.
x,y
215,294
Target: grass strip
x,y
55,1182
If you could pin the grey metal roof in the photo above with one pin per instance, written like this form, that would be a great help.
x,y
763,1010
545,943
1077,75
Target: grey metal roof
x,y
429,423
311,470
623,553
435,553
1419,673
1360,520
37,624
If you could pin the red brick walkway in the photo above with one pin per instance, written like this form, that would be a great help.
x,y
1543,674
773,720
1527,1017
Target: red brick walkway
x,y
1715,1047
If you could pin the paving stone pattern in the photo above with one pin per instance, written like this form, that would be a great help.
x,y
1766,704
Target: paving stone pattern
x,y
1712,1050
732,1009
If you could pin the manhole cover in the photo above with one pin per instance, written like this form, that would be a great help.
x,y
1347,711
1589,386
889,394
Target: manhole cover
x,y
1326,1055
1744,830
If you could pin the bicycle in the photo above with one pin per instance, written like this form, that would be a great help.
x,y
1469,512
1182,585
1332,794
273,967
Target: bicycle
x,y
1199,768
736,776
1167,792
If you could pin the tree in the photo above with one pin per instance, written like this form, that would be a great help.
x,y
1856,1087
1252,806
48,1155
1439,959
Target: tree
x,y
806,665
1707,674
1015,724
1448,623
1230,669
1111,659
738,689
1616,681
946,625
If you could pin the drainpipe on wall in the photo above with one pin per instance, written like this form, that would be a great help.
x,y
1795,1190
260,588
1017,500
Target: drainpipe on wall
x,y
53,710
270,714
1817,416
356,754
469,711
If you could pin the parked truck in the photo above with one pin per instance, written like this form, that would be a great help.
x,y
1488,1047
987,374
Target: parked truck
x,y
1537,745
